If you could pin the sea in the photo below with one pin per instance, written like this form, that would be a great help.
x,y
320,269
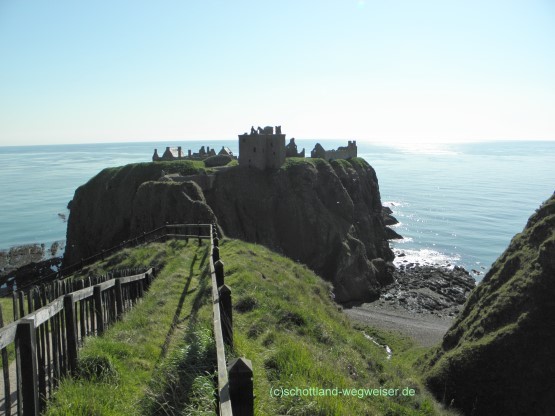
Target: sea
x,y
458,204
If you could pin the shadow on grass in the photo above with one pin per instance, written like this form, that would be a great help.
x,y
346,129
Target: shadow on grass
x,y
182,383
178,310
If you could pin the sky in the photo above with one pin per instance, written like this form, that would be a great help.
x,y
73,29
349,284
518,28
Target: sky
x,y
386,71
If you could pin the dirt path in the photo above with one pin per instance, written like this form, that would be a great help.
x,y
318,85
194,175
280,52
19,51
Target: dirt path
x,y
13,395
426,329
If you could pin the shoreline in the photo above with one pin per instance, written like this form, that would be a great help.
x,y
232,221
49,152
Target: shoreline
x,y
422,303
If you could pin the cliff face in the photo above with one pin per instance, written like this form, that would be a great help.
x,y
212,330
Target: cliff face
x,y
121,203
498,356
328,216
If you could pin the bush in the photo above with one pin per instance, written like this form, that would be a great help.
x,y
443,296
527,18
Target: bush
x,y
218,160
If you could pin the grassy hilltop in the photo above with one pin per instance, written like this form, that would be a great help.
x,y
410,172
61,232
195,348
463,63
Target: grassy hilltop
x,y
497,358
160,358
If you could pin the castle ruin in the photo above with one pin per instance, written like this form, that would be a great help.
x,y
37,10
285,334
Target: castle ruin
x,y
291,149
175,153
342,152
262,148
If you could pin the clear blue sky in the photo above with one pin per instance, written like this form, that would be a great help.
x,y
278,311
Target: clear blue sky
x,y
97,71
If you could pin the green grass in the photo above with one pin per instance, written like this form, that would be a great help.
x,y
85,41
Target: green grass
x,y
160,359
6,304
120,372
295,336
292,162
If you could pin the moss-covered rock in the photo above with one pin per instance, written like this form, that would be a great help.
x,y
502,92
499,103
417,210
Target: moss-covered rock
x,y
498,357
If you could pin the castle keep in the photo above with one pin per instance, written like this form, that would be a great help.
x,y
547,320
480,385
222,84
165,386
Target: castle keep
x,y
262,148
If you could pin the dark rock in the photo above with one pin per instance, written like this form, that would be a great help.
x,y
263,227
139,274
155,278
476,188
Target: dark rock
x,y
390,220
20,256
429,288
122,203
29,273
497,358
392,235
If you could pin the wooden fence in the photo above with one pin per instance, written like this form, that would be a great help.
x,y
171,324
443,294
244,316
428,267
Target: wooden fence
x,y
235,380
61,313
47,338
168,231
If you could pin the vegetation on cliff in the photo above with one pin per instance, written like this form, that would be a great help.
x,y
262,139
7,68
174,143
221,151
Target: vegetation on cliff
x,y
497,358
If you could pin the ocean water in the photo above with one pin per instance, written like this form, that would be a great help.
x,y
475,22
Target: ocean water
x,y
458,204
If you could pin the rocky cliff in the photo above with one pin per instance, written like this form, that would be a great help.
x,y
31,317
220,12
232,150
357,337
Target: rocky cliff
x,y
498,357
328,216
120,203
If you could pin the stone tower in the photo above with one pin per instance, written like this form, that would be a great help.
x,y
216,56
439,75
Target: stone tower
x,y
262,148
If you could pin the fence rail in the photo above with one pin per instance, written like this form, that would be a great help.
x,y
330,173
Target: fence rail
x,y
47,338
235,379
62,313
181,231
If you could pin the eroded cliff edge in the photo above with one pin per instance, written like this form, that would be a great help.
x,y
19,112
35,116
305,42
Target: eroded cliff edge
x,y
498,356
325,215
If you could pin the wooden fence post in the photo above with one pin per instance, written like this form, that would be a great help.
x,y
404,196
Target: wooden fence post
x,y
226,317
6,368
219,269
26,359
215,254
141,287
119,299
216,242
15,307
30,295
241,387
71,333
21,304
97,295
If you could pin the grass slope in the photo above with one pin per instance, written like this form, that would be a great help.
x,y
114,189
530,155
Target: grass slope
x,y
295,336
498,355
118,368
160,358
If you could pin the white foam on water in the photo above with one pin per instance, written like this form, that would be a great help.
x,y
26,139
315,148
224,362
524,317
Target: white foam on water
x,y
424,257
404,240
392,204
